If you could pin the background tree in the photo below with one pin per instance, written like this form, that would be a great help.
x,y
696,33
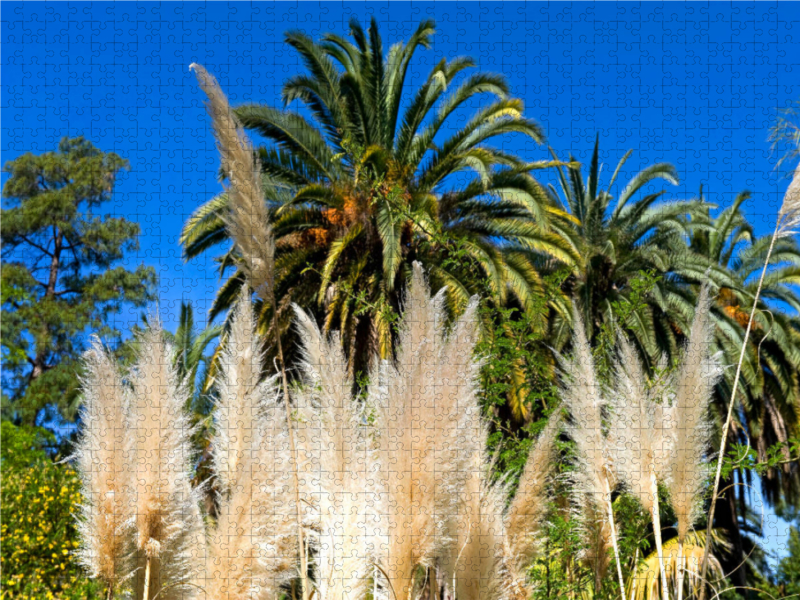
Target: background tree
x,y
60,276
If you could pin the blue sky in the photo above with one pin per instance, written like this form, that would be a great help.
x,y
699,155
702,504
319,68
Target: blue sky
x,y
697,85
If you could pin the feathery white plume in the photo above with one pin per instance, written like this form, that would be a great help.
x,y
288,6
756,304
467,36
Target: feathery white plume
x,y
698,373
105,523
167,522
417,401
251,551
475,530
594,477
248,220
789,214
527,510
345,467
640,425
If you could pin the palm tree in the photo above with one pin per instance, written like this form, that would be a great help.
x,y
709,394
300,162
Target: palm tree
x,y
619,242
768,414
362,181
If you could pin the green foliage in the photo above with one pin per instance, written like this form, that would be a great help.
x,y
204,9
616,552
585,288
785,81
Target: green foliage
x,y
788,574
742,456
39,503
625,309
60,276
518,388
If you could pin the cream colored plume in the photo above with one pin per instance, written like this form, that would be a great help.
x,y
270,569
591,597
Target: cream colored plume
x,y
594,477
527,510
346,462
640,425
239,398
697,375
103,460
475,529
251,551
168,524
789,214
417,401
248,220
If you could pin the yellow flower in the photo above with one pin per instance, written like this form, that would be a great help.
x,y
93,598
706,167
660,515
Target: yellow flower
x,y
65,551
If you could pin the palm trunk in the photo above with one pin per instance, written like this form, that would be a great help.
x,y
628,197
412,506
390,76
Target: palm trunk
x,y
726,426
614,541
657,534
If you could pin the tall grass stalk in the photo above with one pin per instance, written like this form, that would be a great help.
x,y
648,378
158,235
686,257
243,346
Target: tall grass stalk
x,y
249,548
249,225
473,565
698,374
526,511
416,401
787,222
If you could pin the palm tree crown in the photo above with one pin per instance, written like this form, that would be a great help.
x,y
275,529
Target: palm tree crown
x,y
362,181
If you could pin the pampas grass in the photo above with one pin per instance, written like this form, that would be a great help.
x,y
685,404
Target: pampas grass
x,y
167,519
248,220
345,461
594,478
106,515
641,439
786,224
691,428
527,510
250,550
472,566
249,226
399,485
415,409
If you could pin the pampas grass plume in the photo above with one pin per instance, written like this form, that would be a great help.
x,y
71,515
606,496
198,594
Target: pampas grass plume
x,y
251,550
105,522
344,463
248,220
168,524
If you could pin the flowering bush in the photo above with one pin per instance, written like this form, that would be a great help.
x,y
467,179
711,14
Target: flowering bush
x,y
38,531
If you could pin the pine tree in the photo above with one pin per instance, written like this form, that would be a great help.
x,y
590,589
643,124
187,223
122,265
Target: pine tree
x,y
61,273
